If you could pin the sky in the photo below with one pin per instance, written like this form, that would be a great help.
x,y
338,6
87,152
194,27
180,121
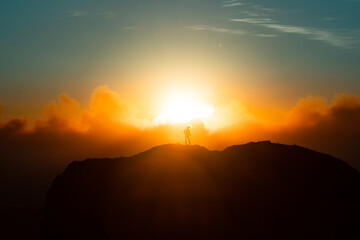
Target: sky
x,y
265,51
268,69
82,79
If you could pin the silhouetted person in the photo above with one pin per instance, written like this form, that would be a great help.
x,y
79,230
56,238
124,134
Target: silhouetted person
x,y
187,135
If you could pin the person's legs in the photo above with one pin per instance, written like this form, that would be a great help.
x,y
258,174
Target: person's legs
x,y
188,139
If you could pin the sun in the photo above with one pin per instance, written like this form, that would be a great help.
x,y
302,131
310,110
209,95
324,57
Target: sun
x,y
181,107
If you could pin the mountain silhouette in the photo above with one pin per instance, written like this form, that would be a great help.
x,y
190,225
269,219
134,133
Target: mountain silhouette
x,y
253,191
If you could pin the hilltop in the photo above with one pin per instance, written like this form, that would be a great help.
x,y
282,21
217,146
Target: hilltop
x,y
252,191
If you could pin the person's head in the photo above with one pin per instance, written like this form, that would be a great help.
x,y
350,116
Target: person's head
x,y
188,127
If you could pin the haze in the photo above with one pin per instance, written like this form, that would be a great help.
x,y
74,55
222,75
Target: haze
x,y
237,70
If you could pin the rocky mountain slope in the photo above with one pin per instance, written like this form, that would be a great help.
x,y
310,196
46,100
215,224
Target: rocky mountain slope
x,y
253,191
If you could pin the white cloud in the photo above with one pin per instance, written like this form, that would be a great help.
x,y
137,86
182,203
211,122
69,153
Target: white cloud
x,y
230,31
216,29
251,20
108,14
266,35
235,4
329,37
77,13
341,39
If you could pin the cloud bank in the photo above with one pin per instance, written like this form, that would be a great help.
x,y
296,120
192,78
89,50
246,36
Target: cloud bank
x,y
111,126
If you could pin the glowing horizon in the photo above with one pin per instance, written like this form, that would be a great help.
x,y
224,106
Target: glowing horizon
x,y
238,72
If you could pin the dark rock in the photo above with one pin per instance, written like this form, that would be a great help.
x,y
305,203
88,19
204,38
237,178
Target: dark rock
x,y
253,191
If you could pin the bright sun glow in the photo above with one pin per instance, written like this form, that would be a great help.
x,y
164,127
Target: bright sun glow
x,y
183,108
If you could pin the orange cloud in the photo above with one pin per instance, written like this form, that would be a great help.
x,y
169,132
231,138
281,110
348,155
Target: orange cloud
x,y
106,112
66,113
308,112
332,128
112,126
228,114
13,127
311,111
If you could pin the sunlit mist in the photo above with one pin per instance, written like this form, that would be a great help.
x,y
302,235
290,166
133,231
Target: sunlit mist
x,y
182,107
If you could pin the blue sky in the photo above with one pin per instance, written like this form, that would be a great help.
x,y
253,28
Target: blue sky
x,y
302,47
